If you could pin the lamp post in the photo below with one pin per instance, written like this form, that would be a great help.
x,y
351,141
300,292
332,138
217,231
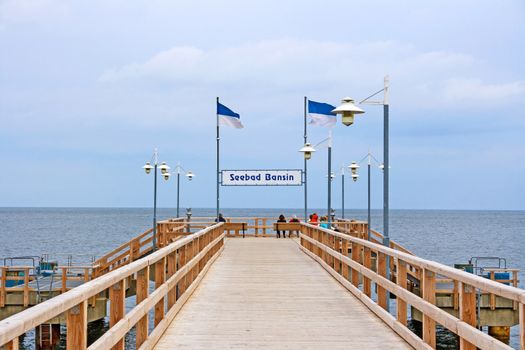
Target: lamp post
x,y
188,174
385,104
308,150
369,158
164,170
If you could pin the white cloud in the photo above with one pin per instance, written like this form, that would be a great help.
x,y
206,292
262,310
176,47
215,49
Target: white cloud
x,y
418,78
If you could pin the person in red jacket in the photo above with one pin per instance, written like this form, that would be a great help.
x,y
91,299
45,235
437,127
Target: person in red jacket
x,y
314,219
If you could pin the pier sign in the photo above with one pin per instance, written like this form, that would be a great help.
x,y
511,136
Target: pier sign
x,y
272,177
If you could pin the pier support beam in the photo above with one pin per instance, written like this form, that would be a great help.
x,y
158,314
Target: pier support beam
x,y
47,336
501,333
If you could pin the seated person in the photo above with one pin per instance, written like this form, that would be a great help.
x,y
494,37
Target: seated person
x,y
281,219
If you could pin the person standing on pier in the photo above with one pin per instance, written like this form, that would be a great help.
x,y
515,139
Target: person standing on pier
x,y
281,219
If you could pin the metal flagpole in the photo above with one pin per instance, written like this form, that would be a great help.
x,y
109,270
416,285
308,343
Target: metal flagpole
x,y
178,188
305,163
329,218
218,171
386,237
156,159
369,218
343,192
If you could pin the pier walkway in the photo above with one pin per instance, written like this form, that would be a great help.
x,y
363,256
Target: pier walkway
x,y
206,286
269,294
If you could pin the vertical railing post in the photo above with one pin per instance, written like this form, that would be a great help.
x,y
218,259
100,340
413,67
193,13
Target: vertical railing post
x,y
467,311
12,345
356,257
77,327
381,270
142,293
26,287
3,281
367,261
344,250
429,294
117,298
402,282
160,277
522,325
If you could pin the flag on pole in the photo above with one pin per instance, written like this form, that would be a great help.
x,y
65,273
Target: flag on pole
x,y
321,114
228,117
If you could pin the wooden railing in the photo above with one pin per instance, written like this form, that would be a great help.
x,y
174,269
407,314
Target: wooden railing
x,y
139,246
330,249
177,267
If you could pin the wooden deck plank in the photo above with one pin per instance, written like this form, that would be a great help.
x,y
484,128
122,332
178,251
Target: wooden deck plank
x,y
266,293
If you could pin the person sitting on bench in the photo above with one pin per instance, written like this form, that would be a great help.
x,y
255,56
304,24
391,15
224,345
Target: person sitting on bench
x,y
281,219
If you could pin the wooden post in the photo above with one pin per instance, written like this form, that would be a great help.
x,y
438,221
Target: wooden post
x,y
160,277
64,280
2,286
142,293
26,287
12,345
117,299
77,327
356,256
172,268
402,282
344,250
492,295
264,227
381,270
467,311
182,262
367,284
522,326
429,294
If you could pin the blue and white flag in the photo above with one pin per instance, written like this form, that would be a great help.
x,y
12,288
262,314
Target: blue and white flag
x,y
321,114
228,117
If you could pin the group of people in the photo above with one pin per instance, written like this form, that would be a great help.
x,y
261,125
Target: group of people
x,y
283,219
322,221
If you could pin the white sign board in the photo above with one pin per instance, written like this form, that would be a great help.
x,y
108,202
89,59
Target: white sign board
x,y
274,177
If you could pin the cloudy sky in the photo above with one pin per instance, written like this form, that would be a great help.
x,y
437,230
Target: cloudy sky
x,y
88,89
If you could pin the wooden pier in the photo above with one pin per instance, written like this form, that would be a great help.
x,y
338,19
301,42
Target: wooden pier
x,y
325,289
268,294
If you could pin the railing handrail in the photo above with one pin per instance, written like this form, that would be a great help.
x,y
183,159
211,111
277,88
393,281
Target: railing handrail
x,y
24,321
331,249
490,286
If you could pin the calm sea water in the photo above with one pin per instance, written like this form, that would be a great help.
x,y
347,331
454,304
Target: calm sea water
x,y
445,236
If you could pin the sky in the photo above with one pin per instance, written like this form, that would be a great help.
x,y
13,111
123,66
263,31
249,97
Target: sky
x,y
89,89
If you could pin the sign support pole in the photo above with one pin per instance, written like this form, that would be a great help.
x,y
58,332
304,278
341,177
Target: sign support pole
x,y
305,164
218,171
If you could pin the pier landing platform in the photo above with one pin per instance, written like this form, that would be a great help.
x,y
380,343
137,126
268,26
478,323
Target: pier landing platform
x,y
269,294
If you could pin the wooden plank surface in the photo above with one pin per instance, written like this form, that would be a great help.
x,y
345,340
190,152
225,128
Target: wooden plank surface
x,y
266,293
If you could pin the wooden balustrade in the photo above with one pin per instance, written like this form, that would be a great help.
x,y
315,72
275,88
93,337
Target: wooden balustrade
x,y
167,232
178,266
315,242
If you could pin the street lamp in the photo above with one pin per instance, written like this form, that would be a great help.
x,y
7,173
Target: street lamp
x,y
346,108
164,170
307,150
189,175
353,171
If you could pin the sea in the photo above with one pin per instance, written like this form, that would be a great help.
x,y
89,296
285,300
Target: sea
x,y
83,234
